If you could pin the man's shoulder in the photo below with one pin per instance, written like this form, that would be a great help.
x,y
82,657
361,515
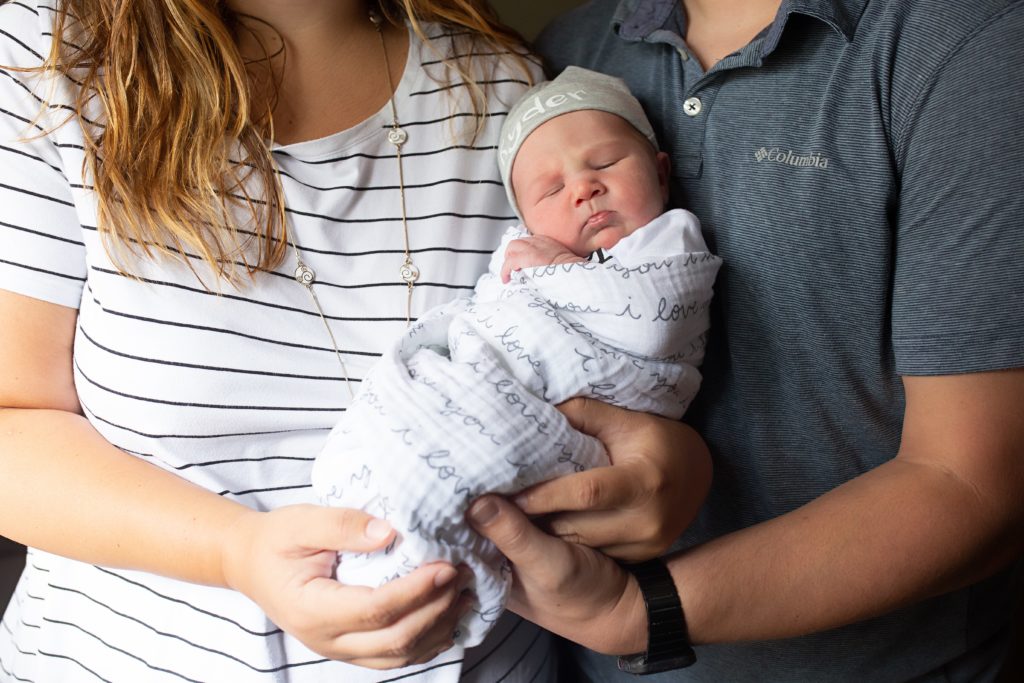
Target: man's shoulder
x,y
910,44
919,26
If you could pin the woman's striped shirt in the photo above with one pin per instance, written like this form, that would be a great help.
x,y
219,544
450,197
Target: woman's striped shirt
x,y
236,389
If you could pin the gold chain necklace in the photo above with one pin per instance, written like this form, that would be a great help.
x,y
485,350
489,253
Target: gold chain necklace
x,y
408,271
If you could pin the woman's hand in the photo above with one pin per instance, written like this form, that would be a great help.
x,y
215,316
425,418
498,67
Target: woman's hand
x,y
569,589
659,476
283,560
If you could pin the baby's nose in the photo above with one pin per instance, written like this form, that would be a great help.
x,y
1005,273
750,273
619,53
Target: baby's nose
x,y
586,189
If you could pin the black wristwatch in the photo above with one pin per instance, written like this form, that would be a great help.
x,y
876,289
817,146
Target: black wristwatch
x,y
668,643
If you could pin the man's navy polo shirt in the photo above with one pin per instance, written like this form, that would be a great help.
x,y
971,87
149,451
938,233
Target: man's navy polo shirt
x,y
856,166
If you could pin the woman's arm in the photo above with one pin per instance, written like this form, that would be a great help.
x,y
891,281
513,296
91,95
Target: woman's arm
x,y
944,513
115,509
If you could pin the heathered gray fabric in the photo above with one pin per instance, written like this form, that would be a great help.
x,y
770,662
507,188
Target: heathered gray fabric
x,y
574,89
857,167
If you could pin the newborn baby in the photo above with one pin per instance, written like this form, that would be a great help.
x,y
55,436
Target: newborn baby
x,y
599,294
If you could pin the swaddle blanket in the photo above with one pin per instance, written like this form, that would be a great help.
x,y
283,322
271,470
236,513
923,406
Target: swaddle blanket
x,y
464,403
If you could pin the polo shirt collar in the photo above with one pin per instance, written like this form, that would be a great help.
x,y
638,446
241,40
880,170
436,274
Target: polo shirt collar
x,y
636,20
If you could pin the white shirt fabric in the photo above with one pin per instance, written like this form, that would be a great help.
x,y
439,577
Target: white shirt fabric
x,y
463,404
236,390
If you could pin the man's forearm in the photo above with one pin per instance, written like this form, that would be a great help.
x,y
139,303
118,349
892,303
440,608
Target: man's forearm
x,y
893,536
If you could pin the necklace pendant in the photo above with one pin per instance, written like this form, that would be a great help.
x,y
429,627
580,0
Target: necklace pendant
x,y
397,136
305,275
409,272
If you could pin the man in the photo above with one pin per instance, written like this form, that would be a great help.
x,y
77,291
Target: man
x,y
856,165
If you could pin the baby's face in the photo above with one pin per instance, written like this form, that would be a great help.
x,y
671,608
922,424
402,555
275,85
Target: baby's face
x,y
587,179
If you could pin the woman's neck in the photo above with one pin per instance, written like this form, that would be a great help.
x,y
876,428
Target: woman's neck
x,y
328,70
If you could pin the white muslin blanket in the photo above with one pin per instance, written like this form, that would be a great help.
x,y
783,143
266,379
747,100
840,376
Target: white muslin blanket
x,y
464,403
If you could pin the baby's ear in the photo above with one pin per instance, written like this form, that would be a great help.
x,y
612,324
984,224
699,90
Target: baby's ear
x,y
664,169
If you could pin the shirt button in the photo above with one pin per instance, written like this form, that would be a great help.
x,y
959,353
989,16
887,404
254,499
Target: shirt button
x,y
692,106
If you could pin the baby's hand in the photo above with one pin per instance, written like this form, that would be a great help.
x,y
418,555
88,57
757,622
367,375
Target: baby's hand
x,y
532,251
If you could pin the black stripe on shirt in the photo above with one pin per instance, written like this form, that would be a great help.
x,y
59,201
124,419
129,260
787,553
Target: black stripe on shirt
x,y
206,328
227,435
208,463
177,637
55,655
178,601
33,10
210,406
213,368
34,158
361,155
14,675
26,121
307,249
36,194
463,84
41,101
461,114
120,650
369,188
41,270
397,219
497,646
41,234
248,492
522,655
235,297
26,47
465,55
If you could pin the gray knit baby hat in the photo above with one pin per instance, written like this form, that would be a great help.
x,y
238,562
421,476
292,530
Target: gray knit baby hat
x,y
575,89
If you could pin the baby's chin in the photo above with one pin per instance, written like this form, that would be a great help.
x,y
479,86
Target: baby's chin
x,y
608,237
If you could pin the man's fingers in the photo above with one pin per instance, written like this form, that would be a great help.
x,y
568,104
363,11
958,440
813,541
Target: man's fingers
x,y
507,527
602,488
591,416
593,529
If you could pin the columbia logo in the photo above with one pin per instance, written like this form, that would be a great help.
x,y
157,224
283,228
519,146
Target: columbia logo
x,y
789,158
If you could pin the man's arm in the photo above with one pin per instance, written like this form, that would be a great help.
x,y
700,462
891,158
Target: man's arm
x,y
944,513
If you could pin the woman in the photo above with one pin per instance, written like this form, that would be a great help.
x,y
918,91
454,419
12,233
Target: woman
x,y
186,307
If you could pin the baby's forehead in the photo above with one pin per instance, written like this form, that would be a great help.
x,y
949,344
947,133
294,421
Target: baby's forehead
x,y
593,121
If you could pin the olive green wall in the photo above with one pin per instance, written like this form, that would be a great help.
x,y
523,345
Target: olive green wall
x,y
530,16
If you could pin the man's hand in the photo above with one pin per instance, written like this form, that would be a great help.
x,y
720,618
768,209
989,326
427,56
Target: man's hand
x,y
569,589
633,510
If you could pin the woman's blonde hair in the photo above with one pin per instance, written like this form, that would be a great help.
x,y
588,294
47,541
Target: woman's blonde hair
x,y
178,104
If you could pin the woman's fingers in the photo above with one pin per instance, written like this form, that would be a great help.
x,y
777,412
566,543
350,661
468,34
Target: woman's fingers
x,y
340,529
284,560
393,625
417,637
429,585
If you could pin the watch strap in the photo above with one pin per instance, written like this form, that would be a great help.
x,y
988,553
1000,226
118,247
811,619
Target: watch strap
x,y
668,642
